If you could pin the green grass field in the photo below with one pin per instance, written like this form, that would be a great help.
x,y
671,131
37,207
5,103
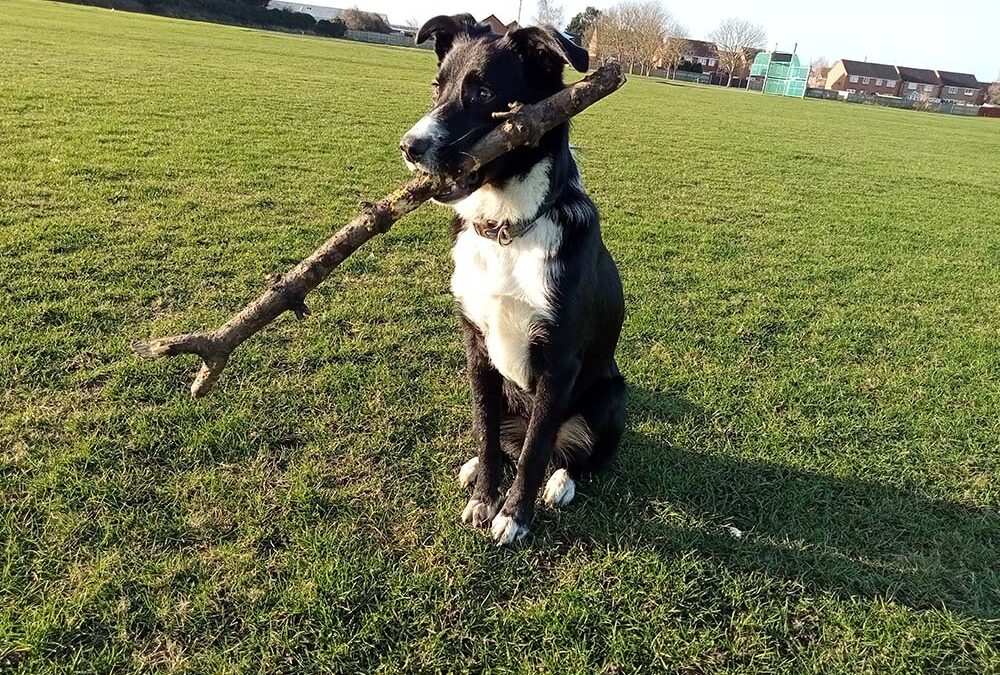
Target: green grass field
x,y
812,349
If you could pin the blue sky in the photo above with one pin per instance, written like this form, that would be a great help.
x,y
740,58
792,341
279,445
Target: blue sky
x,y
961,35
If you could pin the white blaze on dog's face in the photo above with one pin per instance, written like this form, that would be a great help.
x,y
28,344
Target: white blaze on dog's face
x,y
480,74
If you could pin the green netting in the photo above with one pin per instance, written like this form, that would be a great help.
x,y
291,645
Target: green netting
x,y
784,78
778,70
774,86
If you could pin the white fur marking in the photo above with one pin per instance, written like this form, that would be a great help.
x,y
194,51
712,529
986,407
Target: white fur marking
x,y
467,474
560,489
506,531
506,290
478,513
429,127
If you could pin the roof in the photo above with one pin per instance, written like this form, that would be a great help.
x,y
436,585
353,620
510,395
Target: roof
x,y
498,26
701,48
959,80
919,75
866,69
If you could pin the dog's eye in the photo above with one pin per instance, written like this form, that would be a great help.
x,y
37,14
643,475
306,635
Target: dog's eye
x,y
484,94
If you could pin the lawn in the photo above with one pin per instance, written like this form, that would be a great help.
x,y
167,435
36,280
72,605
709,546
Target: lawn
x,y
812,349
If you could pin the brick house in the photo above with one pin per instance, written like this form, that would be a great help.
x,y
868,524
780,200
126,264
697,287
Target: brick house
x,y
919,84
960,88
862,77
701,53
498,26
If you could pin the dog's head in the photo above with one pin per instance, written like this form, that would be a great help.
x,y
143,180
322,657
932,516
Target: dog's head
x,y
480,73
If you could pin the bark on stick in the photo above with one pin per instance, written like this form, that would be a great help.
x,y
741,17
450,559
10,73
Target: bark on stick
x,y
522,125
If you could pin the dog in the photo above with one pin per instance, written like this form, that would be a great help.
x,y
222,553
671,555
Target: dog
x,y
537,292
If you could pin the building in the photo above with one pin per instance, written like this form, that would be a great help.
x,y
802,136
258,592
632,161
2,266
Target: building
x,y
854,77
317,12
918,84
701,53
499,27
960,88
778,73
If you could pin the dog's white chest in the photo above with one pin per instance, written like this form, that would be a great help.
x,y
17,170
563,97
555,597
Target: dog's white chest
x,y
506,291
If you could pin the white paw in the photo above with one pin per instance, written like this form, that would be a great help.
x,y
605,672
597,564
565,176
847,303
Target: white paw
x,y
479,513
506,530
467,474
560,489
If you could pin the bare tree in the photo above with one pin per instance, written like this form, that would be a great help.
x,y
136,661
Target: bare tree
x,y
633,33
818,70
733,39
548,13
993,93
355,19
675,46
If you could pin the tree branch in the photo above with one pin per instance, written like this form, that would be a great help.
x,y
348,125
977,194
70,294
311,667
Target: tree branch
x,y
522,125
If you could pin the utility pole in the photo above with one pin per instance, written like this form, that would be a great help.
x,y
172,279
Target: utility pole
x,y
519,3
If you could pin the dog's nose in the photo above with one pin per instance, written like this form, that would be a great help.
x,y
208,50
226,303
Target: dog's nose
x,y
414,147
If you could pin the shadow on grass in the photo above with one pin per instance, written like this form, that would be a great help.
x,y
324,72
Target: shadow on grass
x,y
847,536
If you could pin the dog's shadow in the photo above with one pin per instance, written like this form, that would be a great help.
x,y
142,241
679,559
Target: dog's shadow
x,y
850,536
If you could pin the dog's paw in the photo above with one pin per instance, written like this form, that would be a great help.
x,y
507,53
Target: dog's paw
x,y
506,530
479,513
560,489
467,474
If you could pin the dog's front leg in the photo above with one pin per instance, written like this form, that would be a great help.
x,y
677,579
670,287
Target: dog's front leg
x,y
487,410
552,394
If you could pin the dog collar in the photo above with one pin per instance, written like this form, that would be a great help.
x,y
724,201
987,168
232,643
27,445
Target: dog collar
x,y
502,233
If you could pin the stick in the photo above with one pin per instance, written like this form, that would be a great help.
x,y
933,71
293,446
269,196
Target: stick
x,y
522,125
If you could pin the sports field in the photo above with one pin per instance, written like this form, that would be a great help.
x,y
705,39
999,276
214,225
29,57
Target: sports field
x,y
810,480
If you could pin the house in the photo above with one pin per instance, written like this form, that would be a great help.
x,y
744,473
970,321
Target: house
x,y
499,27
960,88
862,77
701,53
919,84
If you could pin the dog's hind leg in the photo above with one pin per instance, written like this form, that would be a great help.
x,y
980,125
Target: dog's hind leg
x,y
587,439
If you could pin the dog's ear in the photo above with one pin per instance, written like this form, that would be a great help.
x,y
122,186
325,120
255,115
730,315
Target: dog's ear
x,y
444,30
550,46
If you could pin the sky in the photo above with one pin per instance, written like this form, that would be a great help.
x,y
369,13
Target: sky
x,y
956,35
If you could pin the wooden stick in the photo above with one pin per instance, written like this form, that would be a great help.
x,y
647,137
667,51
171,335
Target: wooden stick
x,y
522,125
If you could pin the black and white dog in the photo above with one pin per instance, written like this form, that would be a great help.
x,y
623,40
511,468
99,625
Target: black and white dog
x,y
537,291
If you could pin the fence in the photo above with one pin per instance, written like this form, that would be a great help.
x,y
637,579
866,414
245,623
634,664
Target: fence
x,y
386,39
903,103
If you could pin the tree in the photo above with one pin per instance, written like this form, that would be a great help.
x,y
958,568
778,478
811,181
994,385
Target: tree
x,y
548,13
993,93
355,19
633,33
582,22
675,46
733,39
818,70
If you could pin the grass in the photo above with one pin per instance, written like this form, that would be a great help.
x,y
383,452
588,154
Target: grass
x,y
812,349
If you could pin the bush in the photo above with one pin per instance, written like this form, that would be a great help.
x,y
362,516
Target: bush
x,y
355,19
335,28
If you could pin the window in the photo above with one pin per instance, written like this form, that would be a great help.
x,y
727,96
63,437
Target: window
x,y
952,90
878,82
865,80
971,92
912,85
851,91
890,83
927,87
854,79
711,62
